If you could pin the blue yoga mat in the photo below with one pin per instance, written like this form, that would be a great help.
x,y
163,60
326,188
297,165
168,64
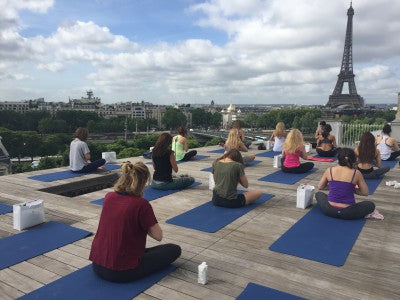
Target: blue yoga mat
x,y
286,178
222,150
373,184
85,284
256,291
36,241
320,238
68,174
390,163
210,218
5,209
151,194
268,154
249,164
333,157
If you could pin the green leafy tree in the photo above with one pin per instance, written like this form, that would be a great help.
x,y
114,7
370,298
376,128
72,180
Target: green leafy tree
x,y
50,125
193,143
250,120
214,141
130,152
173,118
216,120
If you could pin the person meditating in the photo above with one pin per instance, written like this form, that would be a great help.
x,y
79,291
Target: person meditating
x,y
228,172
278,136
293,149
79,154
119,252
326,143
318,133
239,126
387,145
343,181
164,162
180,146
234,142
368,155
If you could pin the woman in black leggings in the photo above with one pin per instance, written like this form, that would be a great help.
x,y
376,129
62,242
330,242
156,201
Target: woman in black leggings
x,y
119,252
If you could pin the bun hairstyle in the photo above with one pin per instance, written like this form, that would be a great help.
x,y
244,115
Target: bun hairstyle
x,y
387,129
233,154
133,179
346,157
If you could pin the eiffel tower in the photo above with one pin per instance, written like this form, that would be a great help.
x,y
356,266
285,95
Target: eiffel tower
x,y
352,99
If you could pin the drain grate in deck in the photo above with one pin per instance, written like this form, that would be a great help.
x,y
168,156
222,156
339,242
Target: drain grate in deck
x,y
84,186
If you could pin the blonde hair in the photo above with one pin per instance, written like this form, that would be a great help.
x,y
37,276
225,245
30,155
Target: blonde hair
x,y
233,140
280,130
133,179
293,142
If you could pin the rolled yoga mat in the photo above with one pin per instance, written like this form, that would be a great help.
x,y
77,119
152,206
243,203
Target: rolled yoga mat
x,y
85,284
286,178
36,241
152,194
320,238
256,291
210,218
69,174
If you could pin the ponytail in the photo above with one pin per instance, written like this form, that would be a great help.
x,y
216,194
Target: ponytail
x,y
133,179
346,157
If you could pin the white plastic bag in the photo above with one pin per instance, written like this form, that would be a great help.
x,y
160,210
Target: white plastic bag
x,y
277,161
211,182
307,148
269,145
28,214
110,157
305,195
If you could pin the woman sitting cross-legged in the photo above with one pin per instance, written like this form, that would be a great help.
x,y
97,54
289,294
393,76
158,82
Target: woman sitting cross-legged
x,y
293,149
228,171
79,154
238,125
234,142
326,143
164,162
387,145
278,137
119,252
180,146
368,155
342,181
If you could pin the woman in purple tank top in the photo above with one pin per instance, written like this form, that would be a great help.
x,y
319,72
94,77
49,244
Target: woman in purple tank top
x,y
343,181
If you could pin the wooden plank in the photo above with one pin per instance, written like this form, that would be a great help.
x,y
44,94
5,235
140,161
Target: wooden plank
x,y
19,281
68,258
52,265
37,273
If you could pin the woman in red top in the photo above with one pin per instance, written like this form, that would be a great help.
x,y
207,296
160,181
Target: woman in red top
x,y
119,252
293,149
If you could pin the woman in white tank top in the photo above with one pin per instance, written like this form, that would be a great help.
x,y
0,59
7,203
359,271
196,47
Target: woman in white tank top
x,y
386,145
278,136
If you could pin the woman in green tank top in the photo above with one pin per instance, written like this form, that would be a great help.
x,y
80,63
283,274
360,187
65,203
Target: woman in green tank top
x,y
180,146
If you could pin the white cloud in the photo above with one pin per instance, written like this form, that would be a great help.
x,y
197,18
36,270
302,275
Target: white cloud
x,y
277,51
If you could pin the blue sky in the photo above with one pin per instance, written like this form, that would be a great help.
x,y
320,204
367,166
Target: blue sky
x,y
186,51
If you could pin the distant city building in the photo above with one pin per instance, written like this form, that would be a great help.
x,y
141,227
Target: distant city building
x,y
230,115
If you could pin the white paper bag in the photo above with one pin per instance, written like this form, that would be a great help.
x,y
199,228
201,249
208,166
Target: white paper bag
x,y
211,182
277,161
110,157
269,145
307,147
305,195
28,214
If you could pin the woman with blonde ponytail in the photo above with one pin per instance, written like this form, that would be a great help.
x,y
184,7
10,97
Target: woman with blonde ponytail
x,y
293,149
119,252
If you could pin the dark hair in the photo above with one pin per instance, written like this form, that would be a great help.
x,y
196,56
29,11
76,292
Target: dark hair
x,y
162,144
328,128
322,123
325,134
81,133
387,129
233,154
366,148
237,124
346,157
182,131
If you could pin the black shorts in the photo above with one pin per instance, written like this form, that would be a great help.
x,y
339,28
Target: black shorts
x,y
230,203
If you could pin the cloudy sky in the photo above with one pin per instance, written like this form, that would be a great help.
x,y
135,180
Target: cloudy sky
x,y
232,51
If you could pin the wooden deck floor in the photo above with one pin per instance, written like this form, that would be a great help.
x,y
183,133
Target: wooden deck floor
x,y
236,254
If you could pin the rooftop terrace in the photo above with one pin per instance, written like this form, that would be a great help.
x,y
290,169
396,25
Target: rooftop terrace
x,y
236,255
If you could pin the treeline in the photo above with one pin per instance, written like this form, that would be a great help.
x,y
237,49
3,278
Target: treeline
x,y
66,121
378,117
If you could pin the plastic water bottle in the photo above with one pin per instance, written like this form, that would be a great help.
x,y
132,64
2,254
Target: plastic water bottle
x,y
203,270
